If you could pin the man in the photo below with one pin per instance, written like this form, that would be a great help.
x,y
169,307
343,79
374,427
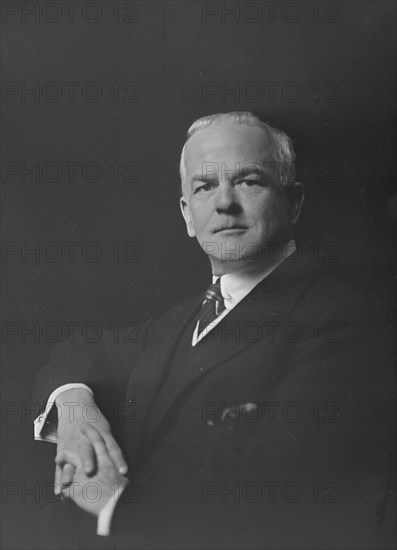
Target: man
x,y
256,415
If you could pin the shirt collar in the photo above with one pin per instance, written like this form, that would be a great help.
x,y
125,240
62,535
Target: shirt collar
x,y
235,286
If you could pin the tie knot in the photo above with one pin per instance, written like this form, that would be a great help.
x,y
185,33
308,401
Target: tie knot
x,y
213,306
214,293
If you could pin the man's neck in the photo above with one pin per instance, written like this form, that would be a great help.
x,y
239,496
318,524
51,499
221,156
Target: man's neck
x,y
263,260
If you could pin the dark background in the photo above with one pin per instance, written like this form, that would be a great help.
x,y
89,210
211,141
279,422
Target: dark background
x,y
343,128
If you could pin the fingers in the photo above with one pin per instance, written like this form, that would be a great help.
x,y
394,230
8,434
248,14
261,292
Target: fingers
x,y
98,443
88,459
105,444
67,475
63,475
84,457
116,454
64,457
57,480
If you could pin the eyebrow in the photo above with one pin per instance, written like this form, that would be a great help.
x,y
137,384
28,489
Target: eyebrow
x,y
208,178
249,170
238,174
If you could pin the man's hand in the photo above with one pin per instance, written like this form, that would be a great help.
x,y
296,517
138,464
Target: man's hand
x,y
93,493
77,412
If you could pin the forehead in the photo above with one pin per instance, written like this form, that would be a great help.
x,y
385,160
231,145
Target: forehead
x,y
229,143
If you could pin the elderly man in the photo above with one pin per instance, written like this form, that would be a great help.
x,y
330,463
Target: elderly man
x,y
256,414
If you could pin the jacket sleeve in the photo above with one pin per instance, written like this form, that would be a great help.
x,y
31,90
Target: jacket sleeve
x,y
104,367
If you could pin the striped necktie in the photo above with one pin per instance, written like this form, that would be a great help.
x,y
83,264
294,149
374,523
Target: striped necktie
x,y
213,306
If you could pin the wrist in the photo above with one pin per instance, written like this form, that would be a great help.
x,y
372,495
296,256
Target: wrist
x,y
75,406
76,395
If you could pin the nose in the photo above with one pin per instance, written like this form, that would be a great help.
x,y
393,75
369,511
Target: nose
x,y
226,200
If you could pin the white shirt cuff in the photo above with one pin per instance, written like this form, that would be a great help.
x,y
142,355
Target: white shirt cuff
x,y
45,430
106,514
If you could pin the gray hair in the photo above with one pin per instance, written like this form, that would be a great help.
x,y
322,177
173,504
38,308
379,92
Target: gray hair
x,y
283,154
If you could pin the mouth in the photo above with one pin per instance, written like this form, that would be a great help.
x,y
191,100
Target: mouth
x,y
231,229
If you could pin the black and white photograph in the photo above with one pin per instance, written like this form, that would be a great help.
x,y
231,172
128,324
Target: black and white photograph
x,y
198,233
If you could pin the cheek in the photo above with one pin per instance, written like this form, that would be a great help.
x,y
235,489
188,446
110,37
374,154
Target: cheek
x,y
272,213
269,208
201,218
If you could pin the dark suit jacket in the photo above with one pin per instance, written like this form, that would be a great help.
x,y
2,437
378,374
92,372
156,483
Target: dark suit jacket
x,y
274,432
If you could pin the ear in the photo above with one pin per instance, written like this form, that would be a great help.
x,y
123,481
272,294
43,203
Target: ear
x,y
187,215
296,195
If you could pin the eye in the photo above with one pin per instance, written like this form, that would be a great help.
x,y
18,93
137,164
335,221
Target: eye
x,y
250,182
205,187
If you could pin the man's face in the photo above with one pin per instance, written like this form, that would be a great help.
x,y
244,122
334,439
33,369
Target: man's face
x,y
233,202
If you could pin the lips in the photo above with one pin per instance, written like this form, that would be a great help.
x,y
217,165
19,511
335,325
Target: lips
x,y
230,228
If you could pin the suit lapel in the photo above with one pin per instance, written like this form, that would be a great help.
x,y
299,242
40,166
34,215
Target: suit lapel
x,y
269,304
147,379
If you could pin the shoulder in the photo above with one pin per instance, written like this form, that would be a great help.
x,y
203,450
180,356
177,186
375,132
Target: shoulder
x,y
313,285
330,295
